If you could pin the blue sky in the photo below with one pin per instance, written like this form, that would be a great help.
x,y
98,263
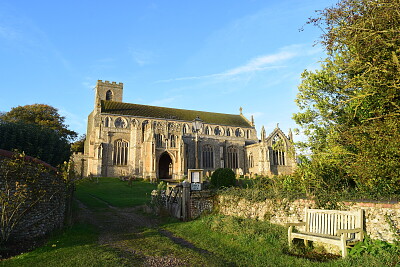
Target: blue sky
x,y
204,55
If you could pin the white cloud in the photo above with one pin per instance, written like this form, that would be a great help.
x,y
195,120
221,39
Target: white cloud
x,y
256,64
142,57
260,63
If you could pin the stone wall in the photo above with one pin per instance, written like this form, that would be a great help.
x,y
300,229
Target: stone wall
x,y
382,221
200,202
45,209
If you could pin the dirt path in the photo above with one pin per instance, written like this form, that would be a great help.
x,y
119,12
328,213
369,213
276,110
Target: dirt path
x,y
117,225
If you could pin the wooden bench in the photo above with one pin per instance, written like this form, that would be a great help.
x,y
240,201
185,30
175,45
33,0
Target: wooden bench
x,y
340,228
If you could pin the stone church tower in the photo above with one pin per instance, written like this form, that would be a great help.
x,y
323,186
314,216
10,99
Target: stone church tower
x,y
159,143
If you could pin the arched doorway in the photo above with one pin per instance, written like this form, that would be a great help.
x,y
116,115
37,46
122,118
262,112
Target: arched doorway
x,y
165,167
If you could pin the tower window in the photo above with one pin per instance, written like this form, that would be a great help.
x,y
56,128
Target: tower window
x,y
109,95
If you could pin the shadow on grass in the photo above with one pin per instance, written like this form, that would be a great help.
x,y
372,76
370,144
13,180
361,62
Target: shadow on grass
x,y
299,250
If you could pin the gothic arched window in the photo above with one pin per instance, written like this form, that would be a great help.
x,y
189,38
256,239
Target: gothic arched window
x,y
109,95
217,131
208,130
238,132
228,132
120,123
233,157
173,140
248,133
278,152
121,152
185,129
208,157
107,122
251,160
159,140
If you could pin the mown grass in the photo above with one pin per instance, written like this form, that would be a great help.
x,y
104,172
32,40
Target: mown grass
x,y
246,242
75,246
114,192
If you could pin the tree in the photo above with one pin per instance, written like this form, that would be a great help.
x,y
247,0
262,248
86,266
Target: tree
x,y
36,141
223,177
350,108
78,146
40,114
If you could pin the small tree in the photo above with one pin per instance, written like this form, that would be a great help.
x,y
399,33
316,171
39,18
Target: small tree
x,y
223,177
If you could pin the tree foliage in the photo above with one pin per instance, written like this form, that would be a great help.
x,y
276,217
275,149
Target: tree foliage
x,y
350,108
223,177
40,114
36,141
78,145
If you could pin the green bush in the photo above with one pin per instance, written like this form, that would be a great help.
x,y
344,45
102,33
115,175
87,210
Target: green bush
x,y
223,177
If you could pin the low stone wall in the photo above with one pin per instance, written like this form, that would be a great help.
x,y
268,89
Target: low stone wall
x,y
382,221
44,209
200,202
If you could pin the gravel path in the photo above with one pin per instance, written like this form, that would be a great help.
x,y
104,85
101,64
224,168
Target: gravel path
x,y
116,223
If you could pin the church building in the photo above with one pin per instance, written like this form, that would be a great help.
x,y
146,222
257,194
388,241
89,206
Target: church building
x,y
163,143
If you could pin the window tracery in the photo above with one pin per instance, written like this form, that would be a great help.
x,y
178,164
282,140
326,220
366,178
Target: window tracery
x,y
208,157
239,132
251,160
120,123
217,131
233,157
278,151
121,152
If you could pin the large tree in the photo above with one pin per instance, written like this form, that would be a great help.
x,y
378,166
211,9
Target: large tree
x,y
40,114
350,108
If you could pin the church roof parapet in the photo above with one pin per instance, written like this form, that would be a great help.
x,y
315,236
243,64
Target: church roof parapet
x,y
129,109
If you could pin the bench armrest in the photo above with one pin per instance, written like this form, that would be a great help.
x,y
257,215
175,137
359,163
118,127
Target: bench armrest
x,y
348,231
296,224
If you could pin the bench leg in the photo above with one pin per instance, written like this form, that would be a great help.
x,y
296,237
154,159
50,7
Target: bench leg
x,y
343,245
306,243
290,239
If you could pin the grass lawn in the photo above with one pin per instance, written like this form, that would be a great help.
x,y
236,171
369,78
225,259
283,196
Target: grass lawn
x,y
113,191
73,247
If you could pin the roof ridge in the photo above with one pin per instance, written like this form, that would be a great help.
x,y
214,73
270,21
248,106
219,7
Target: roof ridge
x,y
239,115
148,111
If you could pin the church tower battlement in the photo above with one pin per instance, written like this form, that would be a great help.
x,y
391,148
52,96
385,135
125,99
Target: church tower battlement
x,y
108,91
